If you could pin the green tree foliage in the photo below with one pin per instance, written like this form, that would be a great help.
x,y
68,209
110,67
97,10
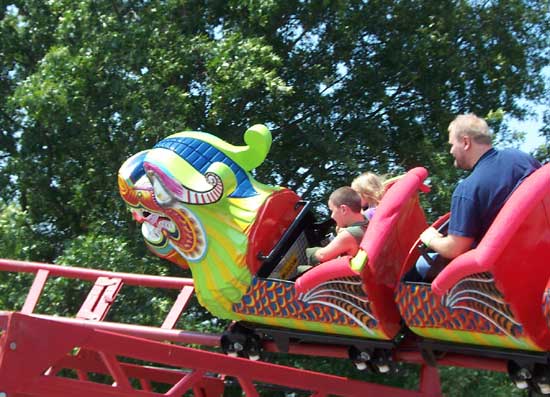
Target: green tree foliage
x,y
16,242
345,86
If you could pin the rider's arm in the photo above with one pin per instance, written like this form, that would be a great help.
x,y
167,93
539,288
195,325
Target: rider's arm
x,y
449,246
343,243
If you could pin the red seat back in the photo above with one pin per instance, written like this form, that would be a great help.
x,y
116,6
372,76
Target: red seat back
x,y
395,227
516,251
273,219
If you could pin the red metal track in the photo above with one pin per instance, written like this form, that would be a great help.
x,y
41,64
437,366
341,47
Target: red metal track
x,y
48,356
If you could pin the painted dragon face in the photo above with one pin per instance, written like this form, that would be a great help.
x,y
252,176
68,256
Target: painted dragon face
x,y
159,203
195,200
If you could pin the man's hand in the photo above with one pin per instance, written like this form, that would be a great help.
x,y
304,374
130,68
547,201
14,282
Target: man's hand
x,y
449,246
428,235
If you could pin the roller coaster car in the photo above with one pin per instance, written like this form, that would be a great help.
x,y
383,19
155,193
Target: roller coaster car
x,y
200,208
496,295
346,296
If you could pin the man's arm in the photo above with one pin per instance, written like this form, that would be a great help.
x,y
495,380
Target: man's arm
x,y
449,246
343,243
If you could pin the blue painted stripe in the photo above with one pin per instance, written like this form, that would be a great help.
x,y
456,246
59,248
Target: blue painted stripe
x,y
137,167
201,155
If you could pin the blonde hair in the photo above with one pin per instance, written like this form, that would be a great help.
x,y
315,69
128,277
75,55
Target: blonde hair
x,y
369,186
473,126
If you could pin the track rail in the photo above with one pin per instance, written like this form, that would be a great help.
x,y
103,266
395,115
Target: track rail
x,y
85,356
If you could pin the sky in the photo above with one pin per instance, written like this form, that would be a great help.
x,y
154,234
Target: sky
x,y
531,128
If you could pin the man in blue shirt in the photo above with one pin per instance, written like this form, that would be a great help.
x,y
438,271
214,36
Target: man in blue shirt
x,y
476,200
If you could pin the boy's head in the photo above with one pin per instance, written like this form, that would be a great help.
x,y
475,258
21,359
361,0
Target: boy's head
x,y
345,206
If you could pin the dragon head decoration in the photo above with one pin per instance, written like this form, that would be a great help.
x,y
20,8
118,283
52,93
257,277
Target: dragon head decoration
x,y
196,201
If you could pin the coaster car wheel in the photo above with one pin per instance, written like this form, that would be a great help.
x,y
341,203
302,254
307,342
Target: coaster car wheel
x,y
239,341
382,362
377,361
520,375
360,358
541,379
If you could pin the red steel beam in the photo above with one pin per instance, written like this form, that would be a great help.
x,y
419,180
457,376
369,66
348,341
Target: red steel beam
x,y
143,280
36,290
141,331
178,307
22,369
312,349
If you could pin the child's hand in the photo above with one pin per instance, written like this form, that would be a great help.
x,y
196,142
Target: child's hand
x,y
311,257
